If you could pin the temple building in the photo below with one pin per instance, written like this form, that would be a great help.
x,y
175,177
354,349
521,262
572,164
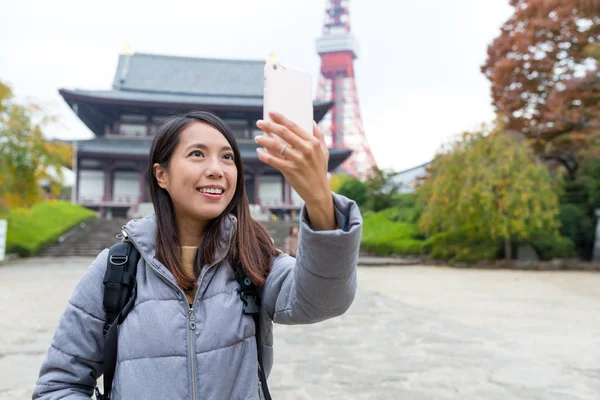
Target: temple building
x,y
147,88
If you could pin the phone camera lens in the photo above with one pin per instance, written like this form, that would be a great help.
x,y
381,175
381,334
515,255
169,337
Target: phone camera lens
x,y
275,67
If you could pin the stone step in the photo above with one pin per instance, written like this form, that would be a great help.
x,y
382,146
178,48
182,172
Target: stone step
x,y
91,237
86,239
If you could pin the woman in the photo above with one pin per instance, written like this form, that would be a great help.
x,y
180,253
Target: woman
x,y
291,241
187,337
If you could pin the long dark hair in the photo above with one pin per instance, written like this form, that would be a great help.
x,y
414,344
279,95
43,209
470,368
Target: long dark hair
x,y
251,242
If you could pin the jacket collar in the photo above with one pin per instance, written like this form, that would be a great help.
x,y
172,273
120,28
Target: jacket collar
x,y
143,231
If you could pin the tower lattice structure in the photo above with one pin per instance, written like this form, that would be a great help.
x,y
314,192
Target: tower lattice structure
x,y
343,127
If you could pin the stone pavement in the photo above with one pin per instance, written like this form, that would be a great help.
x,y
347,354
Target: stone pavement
x,y
413,333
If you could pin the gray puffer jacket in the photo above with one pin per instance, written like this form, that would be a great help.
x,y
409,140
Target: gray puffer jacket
x,y
162,355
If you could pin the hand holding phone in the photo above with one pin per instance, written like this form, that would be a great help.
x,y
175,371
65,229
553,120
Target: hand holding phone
x,y
292,143
302,159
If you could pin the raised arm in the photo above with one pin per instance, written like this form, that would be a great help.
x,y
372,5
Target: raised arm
x,y
321,282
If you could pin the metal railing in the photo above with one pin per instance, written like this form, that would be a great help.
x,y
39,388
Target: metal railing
x,y
108,200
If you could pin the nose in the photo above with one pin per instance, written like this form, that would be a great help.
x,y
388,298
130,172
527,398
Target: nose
x,y
214,169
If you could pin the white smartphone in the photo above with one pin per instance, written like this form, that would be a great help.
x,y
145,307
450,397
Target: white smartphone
x,y
288,92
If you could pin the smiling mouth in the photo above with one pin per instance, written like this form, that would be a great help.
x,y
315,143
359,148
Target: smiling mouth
x,y
213,191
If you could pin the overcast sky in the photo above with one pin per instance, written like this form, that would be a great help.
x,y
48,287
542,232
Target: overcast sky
x,y
418,74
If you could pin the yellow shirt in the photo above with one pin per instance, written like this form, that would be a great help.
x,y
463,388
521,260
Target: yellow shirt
x,y
188,255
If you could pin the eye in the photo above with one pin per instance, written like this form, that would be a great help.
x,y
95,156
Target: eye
x,y
229,156
196,153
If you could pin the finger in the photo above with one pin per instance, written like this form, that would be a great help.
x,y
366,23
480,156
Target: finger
x,y
265,141
321,138
277,163
318,134
291,125
274,146
284,133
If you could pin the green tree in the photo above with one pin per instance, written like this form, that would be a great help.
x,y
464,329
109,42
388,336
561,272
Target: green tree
x,y
592,179
377,193
381,190
336,181
578,202
354,189
25,155
489,186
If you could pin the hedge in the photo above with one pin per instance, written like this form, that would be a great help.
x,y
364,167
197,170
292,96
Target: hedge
x,y
381,236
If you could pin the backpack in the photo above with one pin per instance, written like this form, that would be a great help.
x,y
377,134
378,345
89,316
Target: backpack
x,y
120,291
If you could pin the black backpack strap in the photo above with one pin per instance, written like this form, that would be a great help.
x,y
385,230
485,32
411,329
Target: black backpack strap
x,y
251,299
120,291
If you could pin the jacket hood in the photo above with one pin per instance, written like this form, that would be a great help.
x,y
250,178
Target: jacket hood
x,y
142,232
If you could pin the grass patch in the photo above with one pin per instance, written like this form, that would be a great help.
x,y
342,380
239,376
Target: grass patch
x,y
30,230
381,236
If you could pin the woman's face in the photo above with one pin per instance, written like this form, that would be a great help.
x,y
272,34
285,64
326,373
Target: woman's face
x,y
201,177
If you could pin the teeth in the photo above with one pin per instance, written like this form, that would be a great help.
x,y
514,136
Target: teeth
x,y
211,190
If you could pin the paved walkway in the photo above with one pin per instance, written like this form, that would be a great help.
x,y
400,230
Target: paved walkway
x,y
413,333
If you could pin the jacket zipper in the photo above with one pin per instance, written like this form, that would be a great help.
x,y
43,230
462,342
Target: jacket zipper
x,y
189,308
193,327
192,350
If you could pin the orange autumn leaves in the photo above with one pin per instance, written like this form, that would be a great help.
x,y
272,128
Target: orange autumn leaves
x,y
545,80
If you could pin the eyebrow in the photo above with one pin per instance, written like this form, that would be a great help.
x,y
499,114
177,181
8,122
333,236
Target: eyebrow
x,y
205,147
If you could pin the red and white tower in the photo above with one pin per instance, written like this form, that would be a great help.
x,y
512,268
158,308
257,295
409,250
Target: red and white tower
x,y
342,126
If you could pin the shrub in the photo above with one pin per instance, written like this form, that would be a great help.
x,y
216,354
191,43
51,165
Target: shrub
x,y
382,236
459,246
552,246
579,226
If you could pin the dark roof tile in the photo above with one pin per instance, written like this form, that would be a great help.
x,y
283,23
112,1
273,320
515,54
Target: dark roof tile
x,y
165,98
186,75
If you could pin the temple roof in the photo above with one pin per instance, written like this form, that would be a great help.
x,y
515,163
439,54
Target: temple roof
x,y
137,148
157,78
156,83
141,72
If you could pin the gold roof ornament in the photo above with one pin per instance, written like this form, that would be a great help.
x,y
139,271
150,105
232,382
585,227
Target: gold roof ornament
x,y
272,58
126,49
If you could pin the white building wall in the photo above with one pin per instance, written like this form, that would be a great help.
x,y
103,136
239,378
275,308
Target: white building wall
x,y
91,185
270,189
126,186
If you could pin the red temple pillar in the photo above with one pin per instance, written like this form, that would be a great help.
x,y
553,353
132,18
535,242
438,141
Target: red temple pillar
x,y
77,182
108,183
105,211
256,184
248,131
